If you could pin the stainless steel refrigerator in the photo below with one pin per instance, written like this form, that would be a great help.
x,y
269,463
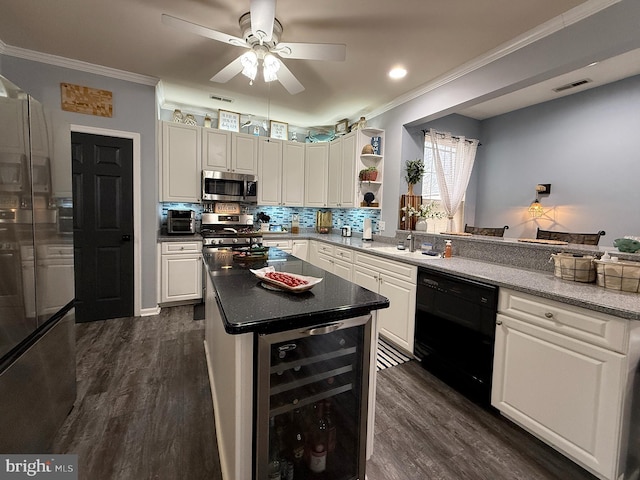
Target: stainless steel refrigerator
x,y
37,324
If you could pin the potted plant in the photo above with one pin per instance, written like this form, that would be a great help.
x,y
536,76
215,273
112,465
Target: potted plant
x,y
424,211
368,174
414,173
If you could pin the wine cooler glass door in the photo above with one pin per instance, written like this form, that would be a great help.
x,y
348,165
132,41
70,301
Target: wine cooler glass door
x,y
311,402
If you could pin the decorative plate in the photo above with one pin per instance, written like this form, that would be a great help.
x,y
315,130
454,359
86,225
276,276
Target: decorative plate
x,y
298,283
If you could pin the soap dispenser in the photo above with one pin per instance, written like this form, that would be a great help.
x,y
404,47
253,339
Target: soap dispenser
x,y
447,249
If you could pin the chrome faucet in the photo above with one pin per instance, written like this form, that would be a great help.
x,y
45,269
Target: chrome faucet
x,y
412,243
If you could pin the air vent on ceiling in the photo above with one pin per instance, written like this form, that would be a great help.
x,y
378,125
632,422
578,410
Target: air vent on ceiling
x,y
221,99
572,85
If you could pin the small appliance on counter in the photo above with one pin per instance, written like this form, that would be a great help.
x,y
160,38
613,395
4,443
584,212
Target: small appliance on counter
x,y
181,222
366,230
346,231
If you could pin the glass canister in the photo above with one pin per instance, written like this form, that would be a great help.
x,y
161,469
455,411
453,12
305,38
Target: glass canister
x,y
295,223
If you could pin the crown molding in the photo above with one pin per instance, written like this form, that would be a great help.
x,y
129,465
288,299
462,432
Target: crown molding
x,y
550,27
77,65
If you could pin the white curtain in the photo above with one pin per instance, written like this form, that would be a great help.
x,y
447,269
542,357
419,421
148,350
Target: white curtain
x,y
453,158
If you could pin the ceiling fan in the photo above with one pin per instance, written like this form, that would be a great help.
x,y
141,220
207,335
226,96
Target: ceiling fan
x,y
261,33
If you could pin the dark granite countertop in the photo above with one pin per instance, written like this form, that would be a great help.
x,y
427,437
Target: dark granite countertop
x,y
247,306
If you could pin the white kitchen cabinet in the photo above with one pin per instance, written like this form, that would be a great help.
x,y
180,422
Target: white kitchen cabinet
x,y
342,160
316,174
244,153
181,163
282,244
397,282
300,249
12,125
561,372
225,151
293,156
181,271
216,150
334,259
269,171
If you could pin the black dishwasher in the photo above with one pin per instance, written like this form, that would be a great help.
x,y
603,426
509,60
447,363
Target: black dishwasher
x,y
455,331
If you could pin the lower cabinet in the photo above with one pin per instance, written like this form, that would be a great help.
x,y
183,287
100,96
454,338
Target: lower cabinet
x,y
181,271
397,282
297,248
561,373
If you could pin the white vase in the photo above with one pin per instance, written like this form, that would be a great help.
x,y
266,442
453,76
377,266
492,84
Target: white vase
x,y
421,225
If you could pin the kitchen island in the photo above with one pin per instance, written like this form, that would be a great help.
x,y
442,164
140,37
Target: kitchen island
x,y
324,342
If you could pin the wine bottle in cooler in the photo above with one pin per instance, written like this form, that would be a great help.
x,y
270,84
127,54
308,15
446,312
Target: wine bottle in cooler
x,y
297,443
331,427
317,455
274,467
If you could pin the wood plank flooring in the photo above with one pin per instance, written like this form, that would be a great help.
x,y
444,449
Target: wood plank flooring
x,y
144,411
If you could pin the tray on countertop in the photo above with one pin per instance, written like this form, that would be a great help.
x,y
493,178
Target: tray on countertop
x,y
540,240
270,283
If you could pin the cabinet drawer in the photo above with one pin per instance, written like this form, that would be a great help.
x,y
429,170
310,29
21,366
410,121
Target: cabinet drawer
x,y
169,248
325,248
403,271
587,325
281,244
343,254
55,251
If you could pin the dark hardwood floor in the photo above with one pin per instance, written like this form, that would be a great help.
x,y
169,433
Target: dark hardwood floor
x,y
144,411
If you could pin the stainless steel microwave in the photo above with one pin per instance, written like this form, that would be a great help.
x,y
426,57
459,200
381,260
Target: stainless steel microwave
x,y
229,187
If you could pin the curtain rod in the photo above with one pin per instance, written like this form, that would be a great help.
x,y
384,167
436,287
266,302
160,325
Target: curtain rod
x,y
452,136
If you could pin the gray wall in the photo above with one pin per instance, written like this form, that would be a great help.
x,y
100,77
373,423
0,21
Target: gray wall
x,y
585,145
134,110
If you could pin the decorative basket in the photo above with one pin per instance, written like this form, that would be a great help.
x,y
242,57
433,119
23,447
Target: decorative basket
x,y
624,276
576,269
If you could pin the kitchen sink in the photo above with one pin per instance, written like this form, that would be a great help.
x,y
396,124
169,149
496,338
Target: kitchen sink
x,y
393,250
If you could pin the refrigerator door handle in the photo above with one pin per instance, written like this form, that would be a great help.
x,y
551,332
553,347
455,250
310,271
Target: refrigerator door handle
x,y
325,329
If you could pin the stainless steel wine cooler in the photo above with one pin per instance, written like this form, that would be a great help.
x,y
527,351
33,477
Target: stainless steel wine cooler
x,y
312,389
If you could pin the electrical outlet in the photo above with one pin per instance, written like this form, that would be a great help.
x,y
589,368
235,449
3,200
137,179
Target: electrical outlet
x,y
381,226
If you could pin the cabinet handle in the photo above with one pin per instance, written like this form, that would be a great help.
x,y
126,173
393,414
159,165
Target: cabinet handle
x,y
498,322
548,314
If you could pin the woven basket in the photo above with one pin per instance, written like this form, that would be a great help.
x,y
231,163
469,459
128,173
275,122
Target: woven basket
x,y
576,269
624,276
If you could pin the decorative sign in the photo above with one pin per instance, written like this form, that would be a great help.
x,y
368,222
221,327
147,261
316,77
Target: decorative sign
x,y
227,208
90,101
228,121
342,127
279,130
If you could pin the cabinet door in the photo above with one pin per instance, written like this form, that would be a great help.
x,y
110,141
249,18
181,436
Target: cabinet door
x,y
244,153
293,174
58,273
366,278
216,150
269,171
397,322
325,262
181,278
565,391
12,125
343,269
181,162
347,171
334,186
300,249
316,174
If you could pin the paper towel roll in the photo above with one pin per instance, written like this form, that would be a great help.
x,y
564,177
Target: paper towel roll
x,y
366,230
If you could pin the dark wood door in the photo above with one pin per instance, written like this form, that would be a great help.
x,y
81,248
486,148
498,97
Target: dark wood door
x,y
103,226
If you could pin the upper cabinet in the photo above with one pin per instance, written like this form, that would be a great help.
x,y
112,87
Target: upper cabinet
x,y
370,187
181,163
342,161
229,151
316,174
280,172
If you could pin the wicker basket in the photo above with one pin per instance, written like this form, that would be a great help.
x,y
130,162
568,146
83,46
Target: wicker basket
x,y
624,276
576,269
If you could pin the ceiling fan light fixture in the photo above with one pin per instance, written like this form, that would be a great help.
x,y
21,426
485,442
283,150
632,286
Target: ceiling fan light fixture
x,y
249,62
270,67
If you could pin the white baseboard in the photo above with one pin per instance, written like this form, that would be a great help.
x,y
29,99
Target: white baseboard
x,y
147,312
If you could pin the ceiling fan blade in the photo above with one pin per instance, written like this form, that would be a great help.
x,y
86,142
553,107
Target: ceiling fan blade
x,y
262,14
203,31
288,80
312,51
228,72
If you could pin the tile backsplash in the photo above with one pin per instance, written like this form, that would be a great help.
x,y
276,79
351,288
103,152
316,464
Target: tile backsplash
x,y
282,215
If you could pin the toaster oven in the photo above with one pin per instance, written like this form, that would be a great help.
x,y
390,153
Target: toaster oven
x,y
181,222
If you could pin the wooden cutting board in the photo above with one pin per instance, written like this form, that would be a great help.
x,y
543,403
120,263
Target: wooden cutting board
x,y
546,242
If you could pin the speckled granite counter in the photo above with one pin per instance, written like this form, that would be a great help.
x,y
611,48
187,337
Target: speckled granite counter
x,y
246,306
535,282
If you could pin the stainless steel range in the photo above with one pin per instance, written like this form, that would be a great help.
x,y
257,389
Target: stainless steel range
x,y
223,231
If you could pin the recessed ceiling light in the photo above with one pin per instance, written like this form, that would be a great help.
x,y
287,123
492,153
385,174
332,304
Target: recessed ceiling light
x,y
397,72
593,64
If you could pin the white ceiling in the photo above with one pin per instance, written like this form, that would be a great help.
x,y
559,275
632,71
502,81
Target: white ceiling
x,y
428,37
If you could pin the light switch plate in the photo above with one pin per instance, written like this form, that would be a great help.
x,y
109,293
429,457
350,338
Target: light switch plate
x,y
381,226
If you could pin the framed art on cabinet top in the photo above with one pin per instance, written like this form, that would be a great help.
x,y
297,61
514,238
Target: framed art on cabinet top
x,y
279,130
228,120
